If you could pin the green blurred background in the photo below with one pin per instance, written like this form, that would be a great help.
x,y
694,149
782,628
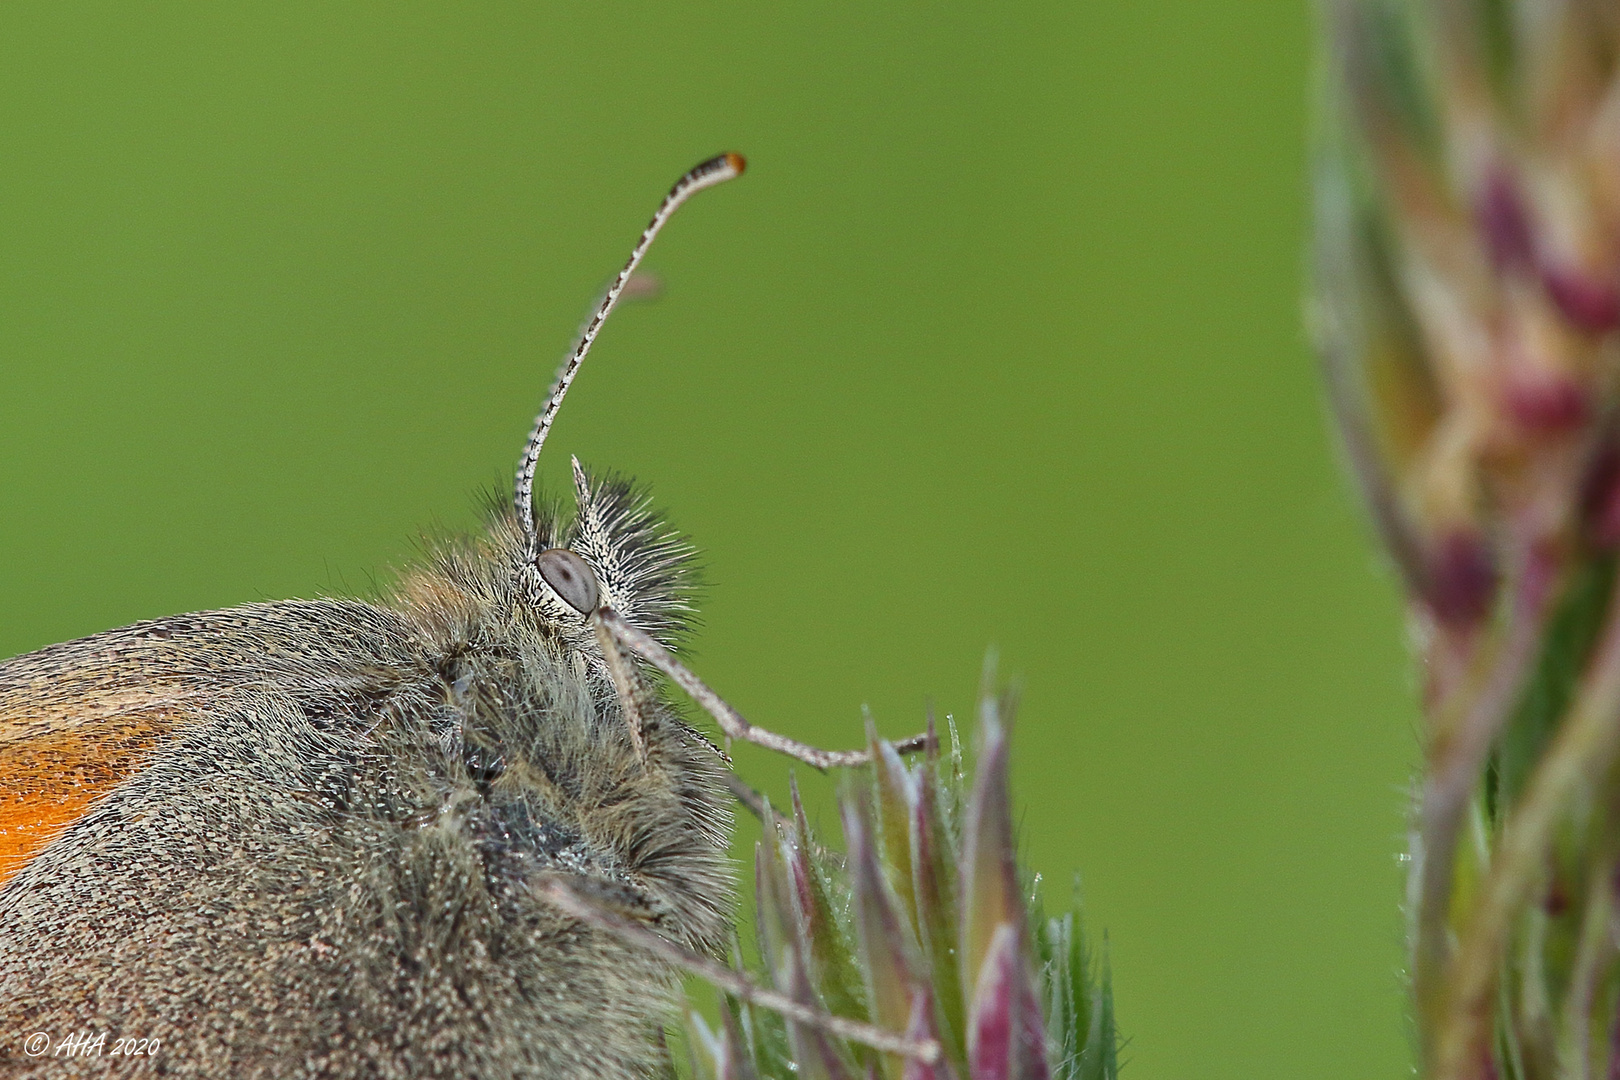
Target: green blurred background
x,y
998,343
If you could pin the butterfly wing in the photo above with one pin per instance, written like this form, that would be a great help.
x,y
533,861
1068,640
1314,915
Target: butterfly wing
x,y
80,718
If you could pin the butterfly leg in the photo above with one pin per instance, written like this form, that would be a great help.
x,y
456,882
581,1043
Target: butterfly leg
x,y
564,893
573,580
732,723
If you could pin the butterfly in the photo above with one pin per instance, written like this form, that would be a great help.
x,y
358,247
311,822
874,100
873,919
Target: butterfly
x,y
412,836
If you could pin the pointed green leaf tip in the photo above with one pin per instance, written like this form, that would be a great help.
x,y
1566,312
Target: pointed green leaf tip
x,y
990,894
895,789
933,861
1079,1003
886,953
773,912
834,971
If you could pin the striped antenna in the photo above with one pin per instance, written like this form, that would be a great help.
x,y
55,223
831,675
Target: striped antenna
x,y
717,170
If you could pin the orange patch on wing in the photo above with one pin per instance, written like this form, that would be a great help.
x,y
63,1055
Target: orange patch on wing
x,y
51,780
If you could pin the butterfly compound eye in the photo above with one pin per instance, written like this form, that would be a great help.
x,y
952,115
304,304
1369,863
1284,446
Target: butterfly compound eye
x,y
570,579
